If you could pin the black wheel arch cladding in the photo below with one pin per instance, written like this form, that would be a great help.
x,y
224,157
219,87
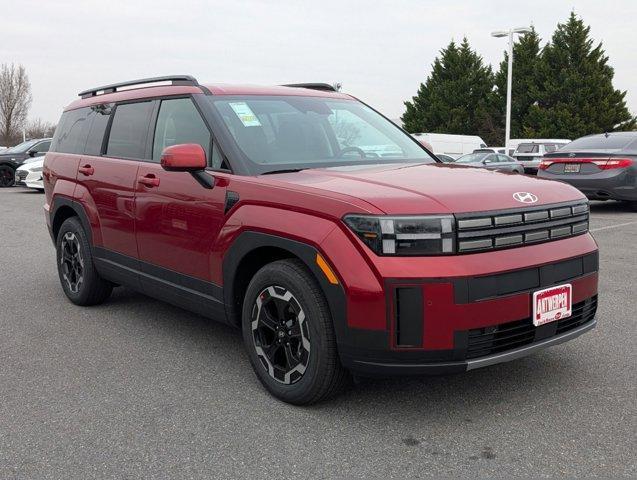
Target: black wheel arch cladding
x,y
248,242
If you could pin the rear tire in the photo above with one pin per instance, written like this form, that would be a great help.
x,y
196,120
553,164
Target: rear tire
x,y
80,281
289,335
7,176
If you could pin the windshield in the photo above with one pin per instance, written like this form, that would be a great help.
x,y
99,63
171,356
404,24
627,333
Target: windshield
x,y
21,147
290,132
472,157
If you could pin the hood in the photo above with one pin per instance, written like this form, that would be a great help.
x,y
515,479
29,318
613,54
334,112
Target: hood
x,y
5,155
34,163
432,188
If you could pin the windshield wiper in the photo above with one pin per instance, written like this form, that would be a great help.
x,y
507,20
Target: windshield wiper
x,y
285,170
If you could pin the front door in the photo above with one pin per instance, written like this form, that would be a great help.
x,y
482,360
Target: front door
x,y
178,219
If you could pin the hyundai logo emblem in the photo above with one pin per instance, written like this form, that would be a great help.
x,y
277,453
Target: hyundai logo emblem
x,y
525,197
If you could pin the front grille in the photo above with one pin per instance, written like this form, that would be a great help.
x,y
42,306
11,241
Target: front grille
x,y
511,228
508,336
20,176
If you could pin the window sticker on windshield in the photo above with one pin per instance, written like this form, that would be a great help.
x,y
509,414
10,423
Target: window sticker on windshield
x,y
245,114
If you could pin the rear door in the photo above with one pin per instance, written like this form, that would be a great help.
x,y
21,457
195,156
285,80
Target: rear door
x,y
178,219
506,163
115,145
490,161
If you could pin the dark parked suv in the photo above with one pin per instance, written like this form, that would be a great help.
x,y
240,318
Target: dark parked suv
x,y
12,158
334,240
602,166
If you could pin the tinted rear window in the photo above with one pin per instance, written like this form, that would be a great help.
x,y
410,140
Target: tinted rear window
x,y
128,131
70,135
600,142
527,148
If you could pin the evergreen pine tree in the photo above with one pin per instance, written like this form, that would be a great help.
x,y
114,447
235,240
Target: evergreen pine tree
x,y
456,98
576,95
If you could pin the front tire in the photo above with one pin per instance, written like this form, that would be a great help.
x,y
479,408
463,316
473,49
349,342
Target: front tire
x,y
289,335
7,176
80,281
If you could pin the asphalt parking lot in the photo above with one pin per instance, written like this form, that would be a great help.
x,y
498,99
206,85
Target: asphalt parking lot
x,y
138,388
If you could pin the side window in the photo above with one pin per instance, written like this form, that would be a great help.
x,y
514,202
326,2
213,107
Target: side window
x,y
42,147
127,138
179,122
100,115
70,135
503,159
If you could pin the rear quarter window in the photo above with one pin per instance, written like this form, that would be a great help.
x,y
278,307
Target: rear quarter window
x,y
70,135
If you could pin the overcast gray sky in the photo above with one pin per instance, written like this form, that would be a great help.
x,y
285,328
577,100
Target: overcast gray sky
x,y
380,50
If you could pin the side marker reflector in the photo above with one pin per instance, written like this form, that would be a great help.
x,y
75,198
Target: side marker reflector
x,y
327,271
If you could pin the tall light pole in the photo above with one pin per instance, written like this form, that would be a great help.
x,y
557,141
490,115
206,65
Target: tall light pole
x,y
509,33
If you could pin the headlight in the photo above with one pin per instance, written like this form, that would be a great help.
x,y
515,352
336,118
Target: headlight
x,y
404,235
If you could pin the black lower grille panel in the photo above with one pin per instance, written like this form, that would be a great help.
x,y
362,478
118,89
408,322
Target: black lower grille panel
x,y
508,336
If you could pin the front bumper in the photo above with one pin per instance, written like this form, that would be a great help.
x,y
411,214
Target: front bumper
x,y
371,368
20,177
34,180
453,325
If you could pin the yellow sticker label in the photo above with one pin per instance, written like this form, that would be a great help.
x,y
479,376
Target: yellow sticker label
x,y
245,114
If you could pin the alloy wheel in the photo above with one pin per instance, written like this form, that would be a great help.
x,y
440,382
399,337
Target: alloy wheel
x,y
281,334
7,177
72,262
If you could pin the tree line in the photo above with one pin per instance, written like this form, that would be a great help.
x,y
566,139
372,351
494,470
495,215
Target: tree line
x,y
561,90
15,102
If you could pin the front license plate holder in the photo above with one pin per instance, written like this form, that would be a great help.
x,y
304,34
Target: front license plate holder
x,y
552,304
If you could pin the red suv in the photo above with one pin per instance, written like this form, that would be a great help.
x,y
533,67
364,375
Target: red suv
x,y
331,237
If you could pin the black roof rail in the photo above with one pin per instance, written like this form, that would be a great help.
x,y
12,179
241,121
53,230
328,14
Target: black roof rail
x,y
175,79
324,87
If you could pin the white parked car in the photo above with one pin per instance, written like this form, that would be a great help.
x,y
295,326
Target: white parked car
x,y
492,150
30,174
453,145
530,152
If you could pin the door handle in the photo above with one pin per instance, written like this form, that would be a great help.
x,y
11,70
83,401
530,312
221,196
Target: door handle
x,y
149,180
86,170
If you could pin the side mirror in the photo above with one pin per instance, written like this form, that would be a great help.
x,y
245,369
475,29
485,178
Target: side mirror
x,y
187,157
32,153
486,161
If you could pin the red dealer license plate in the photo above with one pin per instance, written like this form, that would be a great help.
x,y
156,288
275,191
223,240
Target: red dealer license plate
x,y
552,304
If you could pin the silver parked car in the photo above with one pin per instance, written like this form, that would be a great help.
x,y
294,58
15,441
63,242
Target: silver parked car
x,y
491,161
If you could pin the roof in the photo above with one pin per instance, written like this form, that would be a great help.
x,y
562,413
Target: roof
x,y
215,89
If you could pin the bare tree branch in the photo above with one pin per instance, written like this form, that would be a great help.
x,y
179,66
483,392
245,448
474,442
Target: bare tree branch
x,y
39,128
15,100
